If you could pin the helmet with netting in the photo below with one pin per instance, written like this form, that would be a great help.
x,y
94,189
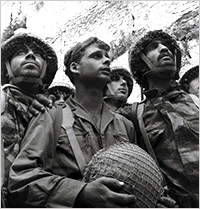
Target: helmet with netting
x,y
121,71
58,87
130,164
17,41
138,66
189,75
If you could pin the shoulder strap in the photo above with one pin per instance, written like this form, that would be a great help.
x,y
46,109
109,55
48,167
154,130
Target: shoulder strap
x,y
57,118
145,137
134,119
67,124
3,101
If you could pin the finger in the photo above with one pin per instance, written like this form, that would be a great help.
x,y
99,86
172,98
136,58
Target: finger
x,y
44,100
166,190
160,206
167,201
16,104
33,111
52,98
112,183
37,106
124,199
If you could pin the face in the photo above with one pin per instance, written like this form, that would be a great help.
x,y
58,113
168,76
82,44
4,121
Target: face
x,y
60,99
118,88
194,86
27,62
94,65
159,54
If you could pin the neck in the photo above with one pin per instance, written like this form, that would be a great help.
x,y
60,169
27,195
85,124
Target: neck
x,y
113,104
162,85
29,87
90,98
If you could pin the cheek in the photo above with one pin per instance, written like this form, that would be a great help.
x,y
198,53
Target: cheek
x,y
15,65
40,61
194,84
152,58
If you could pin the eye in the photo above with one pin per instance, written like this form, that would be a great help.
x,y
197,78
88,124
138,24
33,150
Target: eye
x,y
152,46
20,52
37,53
57,97
115,78
97,55
65,98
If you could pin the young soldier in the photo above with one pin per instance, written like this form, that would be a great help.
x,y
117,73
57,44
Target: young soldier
x,y
119,89
61,93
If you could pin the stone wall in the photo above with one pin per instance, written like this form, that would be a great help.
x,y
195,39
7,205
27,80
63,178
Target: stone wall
x,y
119,23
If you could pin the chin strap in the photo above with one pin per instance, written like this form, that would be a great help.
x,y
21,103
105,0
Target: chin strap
x,y
154,69
10,73
25,79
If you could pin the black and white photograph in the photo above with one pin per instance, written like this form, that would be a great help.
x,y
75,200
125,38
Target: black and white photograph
x,y
100,104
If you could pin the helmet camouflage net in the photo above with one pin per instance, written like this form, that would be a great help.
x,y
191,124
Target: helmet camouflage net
x,y
57,87
14,43
130,164
138,66
190,75
116,71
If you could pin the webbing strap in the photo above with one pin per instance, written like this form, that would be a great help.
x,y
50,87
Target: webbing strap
x,y
3,101
144,133
67,124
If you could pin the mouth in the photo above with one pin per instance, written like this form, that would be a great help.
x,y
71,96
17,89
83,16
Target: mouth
x,y
166,57
30,64
123,91
106,70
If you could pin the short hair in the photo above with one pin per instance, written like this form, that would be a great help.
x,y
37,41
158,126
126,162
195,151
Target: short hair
x,y
190,75
76,53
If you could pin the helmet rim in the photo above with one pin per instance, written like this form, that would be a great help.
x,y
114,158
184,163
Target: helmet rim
x,y
17,40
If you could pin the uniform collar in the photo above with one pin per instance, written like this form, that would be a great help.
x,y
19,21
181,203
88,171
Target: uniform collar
x,y
80,111
174,87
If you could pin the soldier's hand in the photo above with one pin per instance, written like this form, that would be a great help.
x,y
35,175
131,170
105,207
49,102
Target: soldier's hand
x,y
104,193
39,103
166,202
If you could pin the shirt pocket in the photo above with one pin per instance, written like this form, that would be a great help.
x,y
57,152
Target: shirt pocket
x,y
120,137
83,140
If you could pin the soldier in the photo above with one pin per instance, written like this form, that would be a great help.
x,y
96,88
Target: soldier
x,y
119,89
61,92
190,81
168,118
28,66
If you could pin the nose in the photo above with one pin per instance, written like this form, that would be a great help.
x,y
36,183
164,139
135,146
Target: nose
x,y
163,48
106,60
123,81
30,54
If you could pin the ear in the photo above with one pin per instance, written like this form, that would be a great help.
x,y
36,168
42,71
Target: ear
x,y
74,68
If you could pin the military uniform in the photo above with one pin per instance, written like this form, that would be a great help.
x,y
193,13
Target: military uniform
x,y
45,173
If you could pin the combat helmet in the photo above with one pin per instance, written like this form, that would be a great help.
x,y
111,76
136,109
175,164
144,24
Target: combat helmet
x,y
57,87
136,55
14,43
191,74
